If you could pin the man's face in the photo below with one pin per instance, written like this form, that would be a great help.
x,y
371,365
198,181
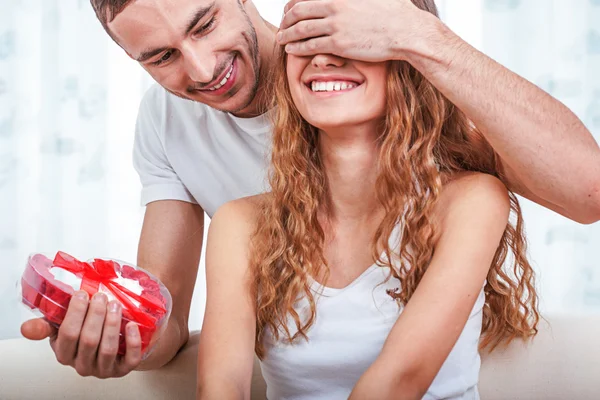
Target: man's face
x,y
201,50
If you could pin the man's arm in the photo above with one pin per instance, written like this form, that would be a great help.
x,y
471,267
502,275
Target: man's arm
x,y
547,153
170,247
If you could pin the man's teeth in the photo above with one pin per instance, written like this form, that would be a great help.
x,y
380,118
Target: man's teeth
x,y
224,80
331,86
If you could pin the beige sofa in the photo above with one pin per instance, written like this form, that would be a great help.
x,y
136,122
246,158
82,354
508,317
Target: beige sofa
x,y
563,362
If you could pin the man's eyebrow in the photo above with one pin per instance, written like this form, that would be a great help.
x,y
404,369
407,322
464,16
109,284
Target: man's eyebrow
x,y
200,13
148,54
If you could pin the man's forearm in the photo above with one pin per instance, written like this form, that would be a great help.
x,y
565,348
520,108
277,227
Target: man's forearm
x,y
547,148
169,343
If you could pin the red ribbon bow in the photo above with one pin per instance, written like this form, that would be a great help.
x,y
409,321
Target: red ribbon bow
x,y
104,272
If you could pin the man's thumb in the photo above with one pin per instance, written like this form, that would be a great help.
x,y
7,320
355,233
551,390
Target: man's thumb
x,y
37,329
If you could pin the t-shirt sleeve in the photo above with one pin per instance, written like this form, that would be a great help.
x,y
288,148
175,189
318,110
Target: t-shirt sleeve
x,y
159,179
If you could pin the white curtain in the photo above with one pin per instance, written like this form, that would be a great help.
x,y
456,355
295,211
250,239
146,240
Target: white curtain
x,y
69,97
556,45
68,102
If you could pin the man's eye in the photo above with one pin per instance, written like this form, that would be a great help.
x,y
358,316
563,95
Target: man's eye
x,y
164,58
206,27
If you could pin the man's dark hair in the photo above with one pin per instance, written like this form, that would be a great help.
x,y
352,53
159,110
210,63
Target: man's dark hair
x,y
107,10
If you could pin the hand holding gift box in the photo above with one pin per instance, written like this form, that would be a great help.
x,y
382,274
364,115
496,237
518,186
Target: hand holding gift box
x,y
144,299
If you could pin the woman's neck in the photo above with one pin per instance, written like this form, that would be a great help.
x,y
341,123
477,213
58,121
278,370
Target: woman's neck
x,y
350,160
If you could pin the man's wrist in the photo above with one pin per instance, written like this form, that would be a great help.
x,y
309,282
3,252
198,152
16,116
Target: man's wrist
x,y
433,44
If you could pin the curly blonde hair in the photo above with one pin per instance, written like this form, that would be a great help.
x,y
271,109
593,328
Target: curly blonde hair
x,y
424,136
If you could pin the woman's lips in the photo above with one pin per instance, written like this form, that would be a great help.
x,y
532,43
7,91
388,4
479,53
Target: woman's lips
x,y
328,88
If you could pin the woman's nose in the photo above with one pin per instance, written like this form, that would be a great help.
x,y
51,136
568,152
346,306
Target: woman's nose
x,y
324,61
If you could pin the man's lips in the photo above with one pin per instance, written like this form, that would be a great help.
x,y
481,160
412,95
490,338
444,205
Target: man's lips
x,y
222,80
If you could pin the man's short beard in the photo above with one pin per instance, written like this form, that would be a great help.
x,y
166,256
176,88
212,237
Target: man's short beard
x,y
252,39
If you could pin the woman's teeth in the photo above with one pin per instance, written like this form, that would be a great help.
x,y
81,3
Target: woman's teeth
x,y
224,80
331,86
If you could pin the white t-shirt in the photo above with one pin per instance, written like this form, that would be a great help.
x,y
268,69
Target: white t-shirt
x,y
184,150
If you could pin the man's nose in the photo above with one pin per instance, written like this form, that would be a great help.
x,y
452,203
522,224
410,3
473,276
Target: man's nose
x,y
200,63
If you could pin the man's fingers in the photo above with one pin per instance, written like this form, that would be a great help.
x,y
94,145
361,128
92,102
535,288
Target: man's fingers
x,y
109,344
37,329
65,346
133,352
290,4
304,10
320,45
303,30
91,333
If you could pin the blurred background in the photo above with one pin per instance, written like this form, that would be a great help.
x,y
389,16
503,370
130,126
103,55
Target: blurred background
x,y
69,98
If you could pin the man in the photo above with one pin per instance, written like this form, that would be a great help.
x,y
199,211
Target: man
x,y
193,156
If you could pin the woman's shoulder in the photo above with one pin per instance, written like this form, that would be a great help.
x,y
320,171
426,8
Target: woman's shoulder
x,y
241,214
473,196
476,182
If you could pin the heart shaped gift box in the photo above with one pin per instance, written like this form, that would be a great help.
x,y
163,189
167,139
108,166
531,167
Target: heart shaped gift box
x,y
48,285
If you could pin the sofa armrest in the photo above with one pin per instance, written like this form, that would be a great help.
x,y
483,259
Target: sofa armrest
x,y
29,370
562,362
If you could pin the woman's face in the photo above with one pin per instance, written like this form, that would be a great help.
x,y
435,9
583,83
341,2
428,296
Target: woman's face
x,y
333,92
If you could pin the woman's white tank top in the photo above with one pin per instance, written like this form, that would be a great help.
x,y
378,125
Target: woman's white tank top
x,y
351,326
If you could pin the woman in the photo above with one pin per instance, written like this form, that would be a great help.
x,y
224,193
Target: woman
x,y
374,266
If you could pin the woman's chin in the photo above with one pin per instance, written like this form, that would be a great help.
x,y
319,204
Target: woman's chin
x,y
332,123
345,125
326,118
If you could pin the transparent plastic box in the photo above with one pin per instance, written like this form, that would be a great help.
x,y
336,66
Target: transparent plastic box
x,y
47,285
